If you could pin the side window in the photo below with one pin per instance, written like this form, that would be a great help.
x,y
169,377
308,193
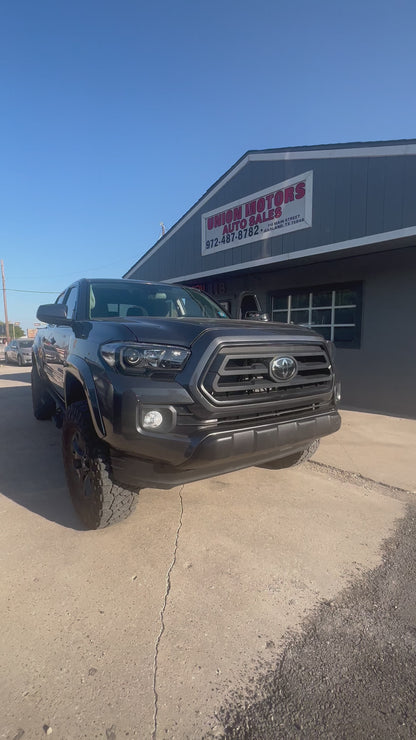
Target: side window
x,y
71,302
60,298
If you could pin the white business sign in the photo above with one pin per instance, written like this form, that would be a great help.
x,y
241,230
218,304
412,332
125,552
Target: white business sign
x,y
276,210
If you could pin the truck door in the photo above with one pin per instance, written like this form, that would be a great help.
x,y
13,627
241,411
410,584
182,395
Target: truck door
x,y
56,341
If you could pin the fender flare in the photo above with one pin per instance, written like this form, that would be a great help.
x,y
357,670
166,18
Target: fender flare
x,y
80,370
36,360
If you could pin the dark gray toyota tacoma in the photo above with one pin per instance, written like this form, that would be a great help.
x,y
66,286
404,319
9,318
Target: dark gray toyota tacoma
x,y
155,386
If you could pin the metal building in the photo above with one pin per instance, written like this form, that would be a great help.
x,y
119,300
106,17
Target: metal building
x,y
323,236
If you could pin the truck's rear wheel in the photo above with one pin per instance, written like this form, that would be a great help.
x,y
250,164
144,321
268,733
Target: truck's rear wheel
x,y
43,405
291,460
97,500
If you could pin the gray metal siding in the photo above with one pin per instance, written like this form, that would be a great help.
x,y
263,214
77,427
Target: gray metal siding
x,y
352,198
376,174
358,198
381,376
409,185
394,191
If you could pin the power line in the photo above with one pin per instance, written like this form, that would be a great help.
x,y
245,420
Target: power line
x,y
16,290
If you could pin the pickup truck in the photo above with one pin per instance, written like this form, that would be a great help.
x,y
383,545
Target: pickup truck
x,y
155,386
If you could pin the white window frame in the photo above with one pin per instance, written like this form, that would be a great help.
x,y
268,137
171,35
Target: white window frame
x,y
290,313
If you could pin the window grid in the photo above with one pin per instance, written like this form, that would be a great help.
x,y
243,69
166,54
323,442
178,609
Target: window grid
x,y
290,313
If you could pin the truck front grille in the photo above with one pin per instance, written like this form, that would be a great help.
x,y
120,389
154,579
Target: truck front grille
x,y
239,375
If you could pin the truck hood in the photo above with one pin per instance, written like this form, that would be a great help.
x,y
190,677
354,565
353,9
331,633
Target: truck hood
x,y
185,331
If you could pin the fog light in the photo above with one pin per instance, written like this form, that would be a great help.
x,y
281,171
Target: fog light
x,y
152,420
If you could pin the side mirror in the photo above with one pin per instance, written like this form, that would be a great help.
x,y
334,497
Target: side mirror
x,y
53,313
257,316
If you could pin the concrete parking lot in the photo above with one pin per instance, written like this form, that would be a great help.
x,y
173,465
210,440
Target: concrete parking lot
x,y
153,627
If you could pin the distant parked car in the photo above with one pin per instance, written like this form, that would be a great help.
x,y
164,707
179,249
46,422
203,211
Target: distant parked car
x,y
20,351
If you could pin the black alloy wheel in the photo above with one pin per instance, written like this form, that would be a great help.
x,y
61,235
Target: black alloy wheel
x,y
97,500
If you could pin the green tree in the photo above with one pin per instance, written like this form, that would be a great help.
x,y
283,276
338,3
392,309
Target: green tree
x,y
16,332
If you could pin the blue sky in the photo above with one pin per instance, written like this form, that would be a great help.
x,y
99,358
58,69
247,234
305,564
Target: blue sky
x,y
118,115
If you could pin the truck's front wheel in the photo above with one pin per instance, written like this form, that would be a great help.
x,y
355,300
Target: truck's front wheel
x,y
97,500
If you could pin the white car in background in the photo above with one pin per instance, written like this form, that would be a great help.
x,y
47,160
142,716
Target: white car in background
x,y
20,351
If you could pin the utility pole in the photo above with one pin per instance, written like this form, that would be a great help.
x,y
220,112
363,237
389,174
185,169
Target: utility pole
x,y
6,318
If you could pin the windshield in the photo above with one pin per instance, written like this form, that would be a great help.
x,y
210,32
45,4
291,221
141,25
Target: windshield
x,y
25,343
113,300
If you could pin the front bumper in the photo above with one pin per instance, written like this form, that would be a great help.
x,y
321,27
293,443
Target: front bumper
x,y
205,454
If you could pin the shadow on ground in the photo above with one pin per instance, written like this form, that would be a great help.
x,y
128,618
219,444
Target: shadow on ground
x,y
352,672
21,376
31,470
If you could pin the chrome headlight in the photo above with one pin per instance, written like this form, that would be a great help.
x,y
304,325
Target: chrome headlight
x,y
135,357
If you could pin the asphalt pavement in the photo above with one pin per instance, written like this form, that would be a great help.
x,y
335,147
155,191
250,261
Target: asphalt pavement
x,y
258,604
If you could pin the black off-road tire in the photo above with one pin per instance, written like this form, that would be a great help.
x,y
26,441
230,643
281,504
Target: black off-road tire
x,y
292,460
97,500
43,404
6,358
19,360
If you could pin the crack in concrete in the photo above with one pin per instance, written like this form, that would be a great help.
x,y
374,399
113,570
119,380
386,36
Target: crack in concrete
x,y
361,480
162,619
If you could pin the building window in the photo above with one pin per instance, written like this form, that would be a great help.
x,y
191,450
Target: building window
x,y
334,312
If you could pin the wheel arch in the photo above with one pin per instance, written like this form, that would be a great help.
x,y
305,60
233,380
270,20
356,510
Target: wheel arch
x,y
37,360
79,386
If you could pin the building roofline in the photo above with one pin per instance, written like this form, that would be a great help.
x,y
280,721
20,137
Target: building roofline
x,y
389,239
399,147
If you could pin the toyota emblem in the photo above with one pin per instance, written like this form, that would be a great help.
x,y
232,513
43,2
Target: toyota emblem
x,y
283,368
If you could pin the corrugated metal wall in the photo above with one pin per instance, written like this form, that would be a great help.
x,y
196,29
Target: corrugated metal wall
x,y
352,198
